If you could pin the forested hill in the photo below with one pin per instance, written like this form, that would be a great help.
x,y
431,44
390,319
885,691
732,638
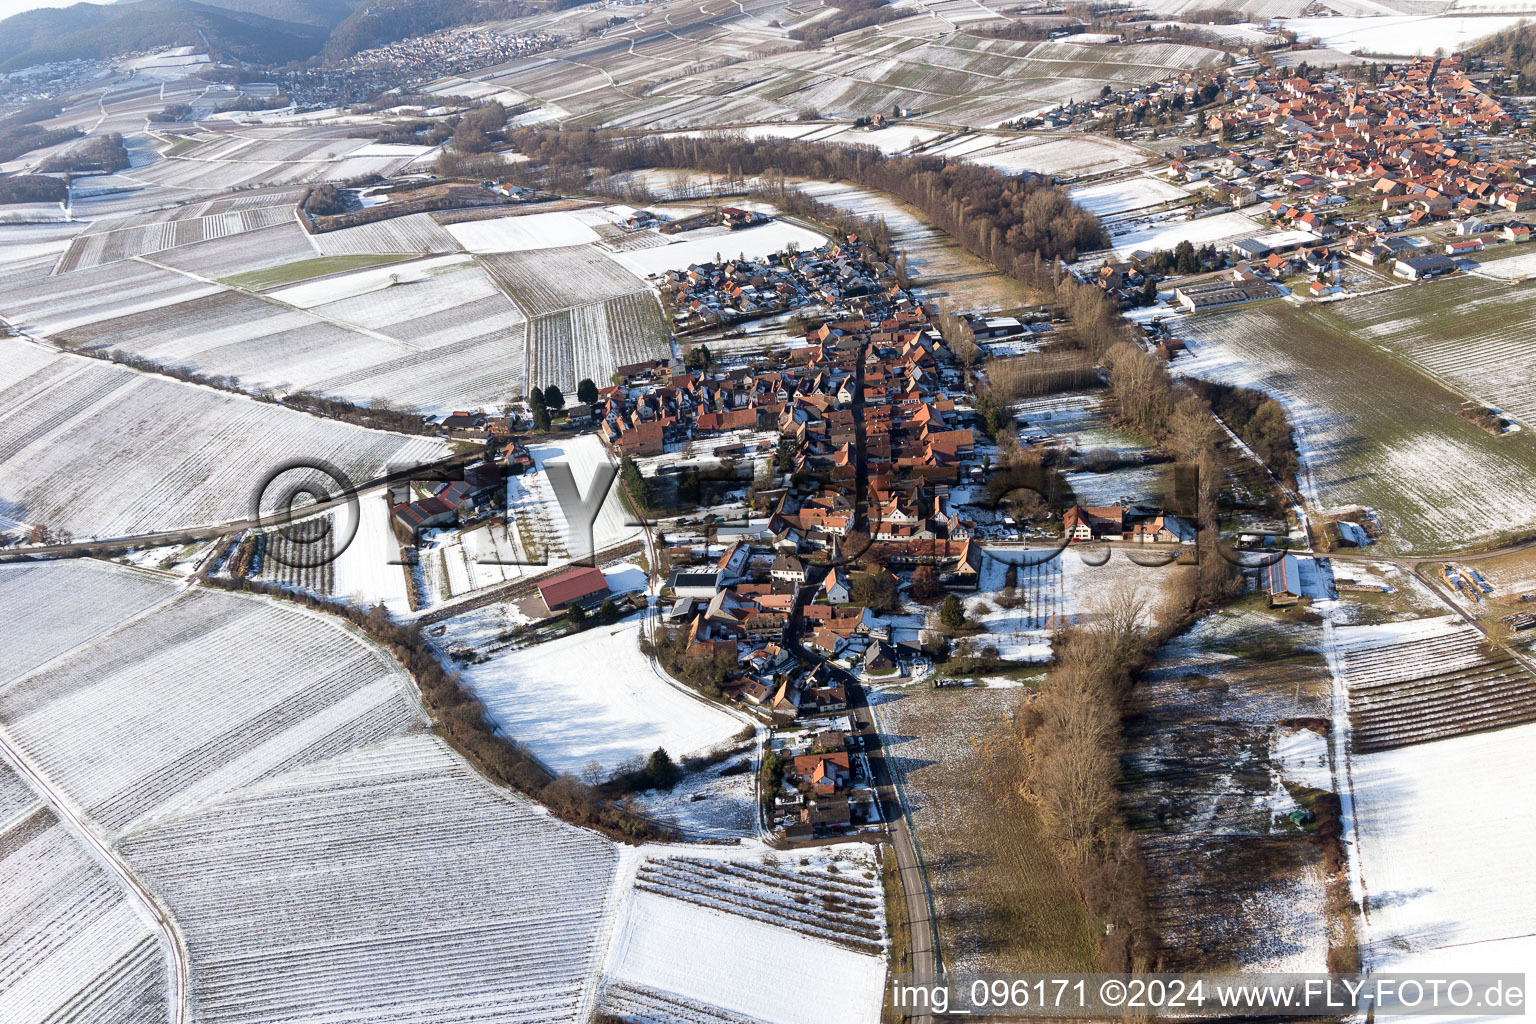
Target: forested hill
x,y
254,31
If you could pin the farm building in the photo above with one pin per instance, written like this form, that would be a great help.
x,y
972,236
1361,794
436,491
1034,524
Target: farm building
x,y
576,586
410,520
1085,524
1282,581
1196,298
1416,268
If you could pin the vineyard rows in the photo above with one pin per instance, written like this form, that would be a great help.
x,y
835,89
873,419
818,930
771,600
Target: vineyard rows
x,y
57,304
838,908
266,773
413,233
717,981
590,342
551,280
73,947
253,688
1431,687
125,243
302,555
403,888
104,451
32,631
255,250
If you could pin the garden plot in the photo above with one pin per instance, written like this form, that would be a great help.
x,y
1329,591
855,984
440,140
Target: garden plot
x,y
1116,197
1167,233
1460,895
1428,680
71,943
594,698
1487,350
646,977
103,451
1371,431
1024,631
538,534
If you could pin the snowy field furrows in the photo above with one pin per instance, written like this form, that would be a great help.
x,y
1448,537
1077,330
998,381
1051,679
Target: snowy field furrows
x,y
422,304
590,342
125,243
254,250
552,280
822,982
266,773
72,945
404,889
1428,680
842,908
1488,350
593,698
703,245
522,233
103,451
133,735
413,233
1388,446
1129,194
32,632
73,300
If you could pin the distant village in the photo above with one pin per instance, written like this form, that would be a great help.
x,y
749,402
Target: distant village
x,y
1406,174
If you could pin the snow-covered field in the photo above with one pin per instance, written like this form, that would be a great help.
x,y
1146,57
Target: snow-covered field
x,y
593,697
1128,194
517,234
103,451
734,920
1165,234
702,245
1402,35
72,946
1457,894
194,738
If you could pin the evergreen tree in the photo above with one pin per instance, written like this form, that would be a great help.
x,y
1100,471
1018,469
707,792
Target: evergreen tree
x,y
586,391
951,613
553,399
